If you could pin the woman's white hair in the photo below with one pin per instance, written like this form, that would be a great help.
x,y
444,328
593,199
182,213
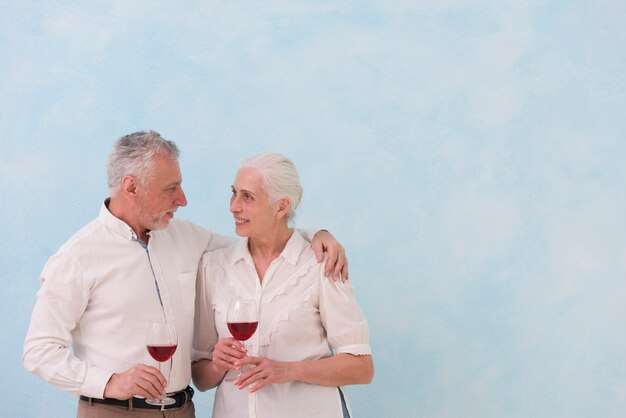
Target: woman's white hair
x,y
279,178
132,155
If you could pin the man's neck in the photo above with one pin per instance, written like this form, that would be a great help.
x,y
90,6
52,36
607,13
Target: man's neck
x,y
121,211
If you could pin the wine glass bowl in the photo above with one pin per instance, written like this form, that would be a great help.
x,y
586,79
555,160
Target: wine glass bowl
x,y
161,343
161,353
242,319
242,331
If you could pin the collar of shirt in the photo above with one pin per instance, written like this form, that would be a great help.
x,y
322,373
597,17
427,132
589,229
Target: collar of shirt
x,y
291,253
115,224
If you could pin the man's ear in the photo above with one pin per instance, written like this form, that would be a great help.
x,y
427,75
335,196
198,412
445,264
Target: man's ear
x,y
129,185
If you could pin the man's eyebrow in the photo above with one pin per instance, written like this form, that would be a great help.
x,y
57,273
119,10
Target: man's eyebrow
x,y
174,183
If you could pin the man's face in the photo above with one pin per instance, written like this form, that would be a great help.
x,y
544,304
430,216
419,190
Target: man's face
x,y
163,194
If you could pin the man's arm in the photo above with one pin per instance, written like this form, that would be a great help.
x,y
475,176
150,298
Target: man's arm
x,y
217,241
321,241
61,302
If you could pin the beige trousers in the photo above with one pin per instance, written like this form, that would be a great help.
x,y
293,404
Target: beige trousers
x,y
98,410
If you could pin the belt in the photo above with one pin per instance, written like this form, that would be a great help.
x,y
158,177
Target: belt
x,y
180,398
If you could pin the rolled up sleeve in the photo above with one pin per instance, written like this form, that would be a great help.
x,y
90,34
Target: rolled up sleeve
x,y
346,327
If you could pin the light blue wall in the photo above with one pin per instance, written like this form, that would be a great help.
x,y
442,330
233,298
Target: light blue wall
x,y
470,155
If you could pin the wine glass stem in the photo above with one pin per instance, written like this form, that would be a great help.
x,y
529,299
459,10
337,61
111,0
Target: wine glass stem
x,y
169,374
161,371
240,371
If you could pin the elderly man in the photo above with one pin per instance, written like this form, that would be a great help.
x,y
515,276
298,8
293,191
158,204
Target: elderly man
x,y
134,262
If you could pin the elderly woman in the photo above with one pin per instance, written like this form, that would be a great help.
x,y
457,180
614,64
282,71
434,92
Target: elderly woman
x,y
312,337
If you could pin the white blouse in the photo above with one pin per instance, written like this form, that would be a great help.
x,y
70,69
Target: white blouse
x,y
302,316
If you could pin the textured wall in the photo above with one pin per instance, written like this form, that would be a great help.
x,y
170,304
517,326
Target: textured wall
x,y
469,155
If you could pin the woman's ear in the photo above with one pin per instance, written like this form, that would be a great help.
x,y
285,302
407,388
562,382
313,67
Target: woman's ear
x,y
283,207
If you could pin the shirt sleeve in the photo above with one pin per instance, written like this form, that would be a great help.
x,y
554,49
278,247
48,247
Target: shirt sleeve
x,y
219,241
346,326
61,301
308,234
205,333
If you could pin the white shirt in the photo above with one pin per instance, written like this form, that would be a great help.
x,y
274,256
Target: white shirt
x,y
302,315
97,295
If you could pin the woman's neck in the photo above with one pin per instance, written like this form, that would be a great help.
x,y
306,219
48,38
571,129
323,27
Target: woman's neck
x,y
266,249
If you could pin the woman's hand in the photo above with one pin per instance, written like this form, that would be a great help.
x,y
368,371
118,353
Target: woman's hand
x,y
228,352
263,372
338,370
207,374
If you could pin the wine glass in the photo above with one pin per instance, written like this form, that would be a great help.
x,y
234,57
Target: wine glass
x,y
242,320
161,343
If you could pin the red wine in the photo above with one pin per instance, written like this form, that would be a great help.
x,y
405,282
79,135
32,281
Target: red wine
x,y
242,330
162,352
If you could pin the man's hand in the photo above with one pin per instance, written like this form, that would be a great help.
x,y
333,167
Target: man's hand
x,y
337,263
141,380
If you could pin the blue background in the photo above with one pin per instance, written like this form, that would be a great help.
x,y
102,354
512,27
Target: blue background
x,y
468,154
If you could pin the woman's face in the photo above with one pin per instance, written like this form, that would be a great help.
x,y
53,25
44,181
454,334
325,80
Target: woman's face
x,y
250,205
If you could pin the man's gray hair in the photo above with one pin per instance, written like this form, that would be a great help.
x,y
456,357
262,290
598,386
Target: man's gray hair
x,y
279,178
132,155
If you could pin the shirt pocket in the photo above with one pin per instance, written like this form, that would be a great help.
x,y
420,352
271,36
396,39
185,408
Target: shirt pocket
x,y
187,283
